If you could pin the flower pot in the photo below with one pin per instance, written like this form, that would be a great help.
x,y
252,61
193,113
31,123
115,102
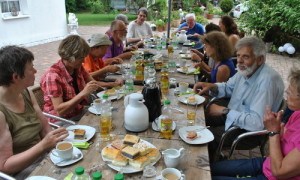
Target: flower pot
x,y
209,16
175,23
160,28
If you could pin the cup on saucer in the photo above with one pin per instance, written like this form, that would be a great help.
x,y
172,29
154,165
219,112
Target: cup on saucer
x,y
97,105
64,150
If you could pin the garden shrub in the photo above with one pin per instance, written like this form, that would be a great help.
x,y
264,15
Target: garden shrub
x,y
226,5
202,20
97,7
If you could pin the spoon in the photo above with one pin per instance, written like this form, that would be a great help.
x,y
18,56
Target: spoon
x,y
75,156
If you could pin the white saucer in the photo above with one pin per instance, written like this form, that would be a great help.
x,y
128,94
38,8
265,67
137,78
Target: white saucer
x,y
93,110
160,178
155,128
40,178
190,70
56,159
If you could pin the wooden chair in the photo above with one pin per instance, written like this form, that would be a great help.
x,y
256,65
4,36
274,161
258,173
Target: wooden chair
x,y
39,95
261,137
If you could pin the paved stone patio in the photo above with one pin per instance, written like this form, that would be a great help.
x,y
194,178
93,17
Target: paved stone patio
x,y
46,55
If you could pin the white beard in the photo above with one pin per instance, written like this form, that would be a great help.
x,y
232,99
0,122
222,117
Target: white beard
x,y
248,70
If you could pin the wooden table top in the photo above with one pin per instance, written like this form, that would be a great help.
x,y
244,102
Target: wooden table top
x,y
194,163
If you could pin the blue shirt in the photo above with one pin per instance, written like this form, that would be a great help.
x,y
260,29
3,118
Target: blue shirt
x,y
214,70
198,28
249,97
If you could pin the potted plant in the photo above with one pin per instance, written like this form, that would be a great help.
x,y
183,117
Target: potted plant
x,y
175,17
160,24
210,11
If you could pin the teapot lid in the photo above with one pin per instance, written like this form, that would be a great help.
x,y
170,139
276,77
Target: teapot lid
x,y
136,96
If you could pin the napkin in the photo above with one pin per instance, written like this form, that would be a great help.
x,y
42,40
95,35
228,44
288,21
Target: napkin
x,y
69,176
186,93
83,145
197,71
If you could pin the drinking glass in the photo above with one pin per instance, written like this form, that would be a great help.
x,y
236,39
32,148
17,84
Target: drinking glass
x,y
191,113
105,127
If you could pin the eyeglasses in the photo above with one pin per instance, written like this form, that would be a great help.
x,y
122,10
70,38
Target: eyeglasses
x,y
289,93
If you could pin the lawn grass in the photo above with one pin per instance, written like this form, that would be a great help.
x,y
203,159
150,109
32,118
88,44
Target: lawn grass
x,y
86,19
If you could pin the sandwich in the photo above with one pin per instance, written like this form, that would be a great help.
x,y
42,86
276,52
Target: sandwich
x,y
131,139
120,160
118,144
140,162
191,99
110,153
79,134
130,152
110,92
142,147
191,135
153,155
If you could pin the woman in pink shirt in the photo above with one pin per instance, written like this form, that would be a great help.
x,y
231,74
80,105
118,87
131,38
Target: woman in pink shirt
x,y
284,145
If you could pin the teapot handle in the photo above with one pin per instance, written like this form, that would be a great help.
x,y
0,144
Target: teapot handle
x,y
126,100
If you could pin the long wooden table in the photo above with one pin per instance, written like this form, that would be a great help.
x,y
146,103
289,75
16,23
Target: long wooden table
x,y
194,164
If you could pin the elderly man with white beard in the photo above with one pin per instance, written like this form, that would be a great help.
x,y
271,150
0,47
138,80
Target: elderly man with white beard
x,y
117,49
254,86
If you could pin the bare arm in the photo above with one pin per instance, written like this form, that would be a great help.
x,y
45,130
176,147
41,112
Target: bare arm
x,y
233,38
126,55
223,73
10,163
205,87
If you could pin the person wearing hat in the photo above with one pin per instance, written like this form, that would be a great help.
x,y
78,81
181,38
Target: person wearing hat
x,y
117,48
66,84
94,63
121,17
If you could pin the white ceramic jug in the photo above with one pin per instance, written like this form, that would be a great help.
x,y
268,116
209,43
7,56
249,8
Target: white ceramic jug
x,y
182,38
172,157
136,114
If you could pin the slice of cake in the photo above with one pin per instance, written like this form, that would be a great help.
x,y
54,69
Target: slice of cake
x,y
140,162
143,148
120,160
110,153
153,155
118,144
191,135
130,152
110,92
131,139
79,134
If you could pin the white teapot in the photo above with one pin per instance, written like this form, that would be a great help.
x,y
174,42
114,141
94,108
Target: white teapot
x,y
136,114
182,38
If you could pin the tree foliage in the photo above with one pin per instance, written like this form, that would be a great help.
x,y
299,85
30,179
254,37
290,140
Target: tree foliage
x,y
226,5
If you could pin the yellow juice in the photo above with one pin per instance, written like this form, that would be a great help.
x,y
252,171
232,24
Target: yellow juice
x,y
105,126
166,128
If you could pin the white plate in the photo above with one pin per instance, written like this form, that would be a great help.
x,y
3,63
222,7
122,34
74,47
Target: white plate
x,y
199,99
155,128
100,94
93,110
190,70
129,169
185,56
188,90
40,178
56,159
204,136
89,133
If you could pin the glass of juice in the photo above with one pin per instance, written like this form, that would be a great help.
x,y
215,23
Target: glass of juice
x,y
105,127
191,110
166,127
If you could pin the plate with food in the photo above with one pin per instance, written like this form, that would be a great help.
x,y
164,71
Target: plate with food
x,y
185,56
40,178
186,70
195,134
130,154
81,133
191,98
112,94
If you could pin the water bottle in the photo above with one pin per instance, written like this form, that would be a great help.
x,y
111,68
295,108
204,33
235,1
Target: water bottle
x,y
129,86
151,72
146,71
164,41
119,177
166,121
97,176
172,65
80,175
164,80
158,45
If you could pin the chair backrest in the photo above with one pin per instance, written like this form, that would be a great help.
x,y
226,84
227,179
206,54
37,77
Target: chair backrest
x,y
5,176
39,95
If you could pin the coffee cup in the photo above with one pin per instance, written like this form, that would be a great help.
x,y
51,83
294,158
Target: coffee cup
x,y
185,50
97,104
172,174
183,87
182,62
64,150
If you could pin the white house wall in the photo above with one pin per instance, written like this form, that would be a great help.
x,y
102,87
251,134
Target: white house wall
x,y
46,22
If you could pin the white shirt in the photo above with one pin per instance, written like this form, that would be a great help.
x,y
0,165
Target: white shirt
x,y
135,30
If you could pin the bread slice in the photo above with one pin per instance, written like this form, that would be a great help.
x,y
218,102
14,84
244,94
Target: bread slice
x,y
153,155
120,160
191,135
110,153
142,147
140,162
118,144
131,139
79,134
130,152
110,92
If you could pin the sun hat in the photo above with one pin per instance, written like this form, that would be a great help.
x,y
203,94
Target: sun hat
x,y
99,40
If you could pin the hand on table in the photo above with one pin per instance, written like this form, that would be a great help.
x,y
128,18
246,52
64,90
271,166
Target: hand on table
x,y
112,68
119,82
203,87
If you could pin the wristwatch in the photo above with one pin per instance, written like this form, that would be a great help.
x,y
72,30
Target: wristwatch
x,y
273,133
225,111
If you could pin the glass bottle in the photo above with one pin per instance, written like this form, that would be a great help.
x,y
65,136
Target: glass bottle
x,y
146,71
80,175
139,72
105,118
164,80
164,41
97,176
151,72
166,121
129,86
119,177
